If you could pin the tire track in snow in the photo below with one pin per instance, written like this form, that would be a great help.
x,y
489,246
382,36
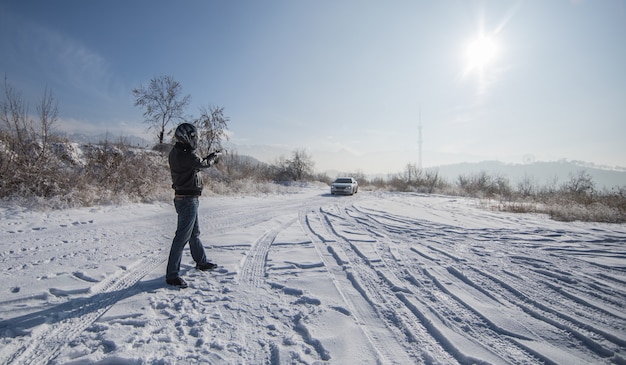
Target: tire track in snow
x,y
251,278
536,292
45,345
553,293
252,275
567,313
468,337
253,265
444,255
221,220
381,316
337,263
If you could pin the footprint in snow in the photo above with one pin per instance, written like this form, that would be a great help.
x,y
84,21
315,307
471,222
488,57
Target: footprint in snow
x,y
79,223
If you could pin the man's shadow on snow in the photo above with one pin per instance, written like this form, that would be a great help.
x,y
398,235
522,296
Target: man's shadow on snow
x,y
74,308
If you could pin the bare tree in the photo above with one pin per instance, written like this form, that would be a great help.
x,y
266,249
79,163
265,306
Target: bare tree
x,y
412,175
25,135
48,110
527,186
299,167
282,169
26,162
162,102
580,187
301,164
212,125
15,120
432,180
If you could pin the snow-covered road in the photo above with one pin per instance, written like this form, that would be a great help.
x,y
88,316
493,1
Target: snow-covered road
x,y
374,278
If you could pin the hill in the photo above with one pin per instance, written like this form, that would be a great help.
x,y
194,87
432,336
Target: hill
x,y
540,172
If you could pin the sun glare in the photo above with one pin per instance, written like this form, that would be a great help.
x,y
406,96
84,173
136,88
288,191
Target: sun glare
x,y
480,52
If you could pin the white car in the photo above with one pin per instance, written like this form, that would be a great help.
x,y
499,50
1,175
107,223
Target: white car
x,y
344,185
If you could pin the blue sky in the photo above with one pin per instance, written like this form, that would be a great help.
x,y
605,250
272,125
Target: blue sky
x,y
345,80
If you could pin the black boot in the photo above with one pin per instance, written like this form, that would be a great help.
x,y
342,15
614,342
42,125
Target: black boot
x,y
206,266
177,281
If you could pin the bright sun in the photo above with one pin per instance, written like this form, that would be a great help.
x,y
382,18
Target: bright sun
x,y
480,53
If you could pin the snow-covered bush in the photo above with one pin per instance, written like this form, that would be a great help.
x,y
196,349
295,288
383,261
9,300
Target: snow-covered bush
x,y
134,174
483,185
575,200
415,179
71,175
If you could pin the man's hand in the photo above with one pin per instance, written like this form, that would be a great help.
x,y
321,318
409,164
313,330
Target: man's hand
x,y
213,156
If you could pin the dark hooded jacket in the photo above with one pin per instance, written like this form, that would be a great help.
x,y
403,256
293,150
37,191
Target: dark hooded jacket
x,y
185,167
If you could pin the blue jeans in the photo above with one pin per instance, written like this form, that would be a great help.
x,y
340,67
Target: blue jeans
x,y
188,230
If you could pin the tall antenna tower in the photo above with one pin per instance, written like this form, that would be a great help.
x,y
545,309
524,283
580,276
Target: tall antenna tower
x,y
419,140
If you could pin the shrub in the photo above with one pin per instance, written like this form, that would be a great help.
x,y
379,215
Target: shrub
x,y
415,179
575,200
483,185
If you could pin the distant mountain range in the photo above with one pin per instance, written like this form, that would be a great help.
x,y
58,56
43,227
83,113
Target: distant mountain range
x,y
542,173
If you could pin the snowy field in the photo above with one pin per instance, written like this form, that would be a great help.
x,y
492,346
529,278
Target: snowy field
x,y
310,278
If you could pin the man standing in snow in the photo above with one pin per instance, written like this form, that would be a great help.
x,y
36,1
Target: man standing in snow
x,y
185,167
